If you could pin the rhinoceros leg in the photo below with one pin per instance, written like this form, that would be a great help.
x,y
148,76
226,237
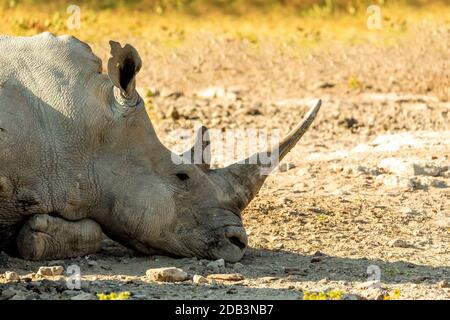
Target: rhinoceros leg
x,y
45,237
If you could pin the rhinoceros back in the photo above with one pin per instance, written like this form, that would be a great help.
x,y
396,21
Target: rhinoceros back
x,y
45,87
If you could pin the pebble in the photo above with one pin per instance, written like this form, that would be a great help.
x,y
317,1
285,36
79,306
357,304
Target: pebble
x,y
11,276
170,274
9,293
408,211
286,167
92,263
397,166
173,113
399,243
50,271
198,279
216,265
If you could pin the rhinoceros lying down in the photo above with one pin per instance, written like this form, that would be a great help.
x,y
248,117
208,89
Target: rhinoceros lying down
x,y
79,158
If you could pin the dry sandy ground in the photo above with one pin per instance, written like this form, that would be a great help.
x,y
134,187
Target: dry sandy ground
x,y
368,188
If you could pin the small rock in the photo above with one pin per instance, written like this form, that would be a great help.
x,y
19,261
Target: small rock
x,y
322,85
444,284
399,243
198,279
232,291
439,184
349,122
211,92
253,112
316,259
408,211
84,296
11,276
318,254
291,269
173,113
170,274
286,167
226,277
92,263
398,182
9,293
216,265
397,166
23,296
50,271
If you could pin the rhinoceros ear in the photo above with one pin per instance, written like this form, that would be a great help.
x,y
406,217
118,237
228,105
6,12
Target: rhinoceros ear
x,y
123,66
200,153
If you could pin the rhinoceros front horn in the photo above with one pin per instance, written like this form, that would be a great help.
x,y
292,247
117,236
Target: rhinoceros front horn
x,y
248,176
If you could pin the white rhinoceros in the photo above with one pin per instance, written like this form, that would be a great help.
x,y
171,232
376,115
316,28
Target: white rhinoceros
x,y
79,158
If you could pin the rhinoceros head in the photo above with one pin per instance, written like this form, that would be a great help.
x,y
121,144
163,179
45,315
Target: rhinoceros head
x,y
155,201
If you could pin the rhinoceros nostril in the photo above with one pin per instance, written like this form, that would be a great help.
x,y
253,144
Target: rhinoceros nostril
x,y
237,242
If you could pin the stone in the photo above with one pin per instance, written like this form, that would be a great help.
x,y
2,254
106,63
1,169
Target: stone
x,y
216,265
398,182
283,167
92,263
439,184
11,276
170,274
399,243
50,271
9,293
173,113
397,166
198,279
408,211
211,92
84,296
226,277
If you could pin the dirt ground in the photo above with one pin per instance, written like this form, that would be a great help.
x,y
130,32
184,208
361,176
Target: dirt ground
x,y
368,187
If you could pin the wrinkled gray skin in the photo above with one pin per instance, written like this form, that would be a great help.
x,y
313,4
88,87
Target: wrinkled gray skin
x,y
79,157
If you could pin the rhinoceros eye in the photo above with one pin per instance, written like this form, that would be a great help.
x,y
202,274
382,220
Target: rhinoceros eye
x,y
182,176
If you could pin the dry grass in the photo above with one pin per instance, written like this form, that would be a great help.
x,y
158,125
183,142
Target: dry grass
x,y
284,25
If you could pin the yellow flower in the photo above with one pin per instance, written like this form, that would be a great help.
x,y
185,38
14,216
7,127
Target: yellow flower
x,y
396,294
330,295
114,296
387,297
